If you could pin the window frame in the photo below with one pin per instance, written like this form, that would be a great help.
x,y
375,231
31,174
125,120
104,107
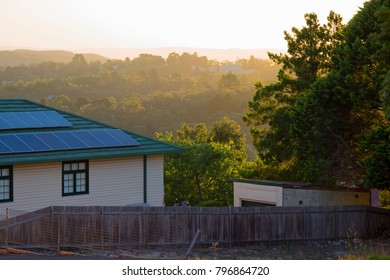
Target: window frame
x,y
74,173
10,178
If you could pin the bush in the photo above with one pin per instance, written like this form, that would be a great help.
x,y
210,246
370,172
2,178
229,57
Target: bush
x,y
384,196
212,203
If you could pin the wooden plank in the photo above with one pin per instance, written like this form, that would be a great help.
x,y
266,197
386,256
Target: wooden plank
x,y
100,226
192,244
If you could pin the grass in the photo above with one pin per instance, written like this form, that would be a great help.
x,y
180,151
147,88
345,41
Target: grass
x,y
373,256
361,251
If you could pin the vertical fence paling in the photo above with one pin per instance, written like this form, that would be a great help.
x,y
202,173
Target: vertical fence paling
x,y
122,227
230,225
336,227
304,225
101,228
6,227
58,231
269,226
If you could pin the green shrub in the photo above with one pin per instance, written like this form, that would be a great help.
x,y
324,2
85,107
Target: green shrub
x,y
384,196
213,203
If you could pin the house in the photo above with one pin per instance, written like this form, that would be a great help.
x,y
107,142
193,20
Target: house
x,y
274,193
51,157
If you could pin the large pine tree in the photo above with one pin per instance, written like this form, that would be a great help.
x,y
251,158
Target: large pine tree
x,y
335,129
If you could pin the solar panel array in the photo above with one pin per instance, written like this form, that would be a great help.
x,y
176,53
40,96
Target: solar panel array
x,y
33,119
64,140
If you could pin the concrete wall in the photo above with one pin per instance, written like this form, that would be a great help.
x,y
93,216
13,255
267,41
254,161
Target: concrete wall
x,y
317,197
275,193
257,193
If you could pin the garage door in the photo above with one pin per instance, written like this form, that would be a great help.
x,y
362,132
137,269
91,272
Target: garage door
x,y
246,203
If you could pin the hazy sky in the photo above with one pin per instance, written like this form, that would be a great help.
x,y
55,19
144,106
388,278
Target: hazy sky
x,y
70,24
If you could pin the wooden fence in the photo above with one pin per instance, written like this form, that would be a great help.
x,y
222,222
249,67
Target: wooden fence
x,y
125,227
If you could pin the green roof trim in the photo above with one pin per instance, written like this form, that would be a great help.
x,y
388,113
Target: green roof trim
x,y
148,146
296,185
260,182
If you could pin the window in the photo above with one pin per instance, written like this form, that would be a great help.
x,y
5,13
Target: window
x,y
6,184
74,177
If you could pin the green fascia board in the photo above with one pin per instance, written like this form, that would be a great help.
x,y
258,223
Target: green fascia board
x,y
260,182
76,155
148,145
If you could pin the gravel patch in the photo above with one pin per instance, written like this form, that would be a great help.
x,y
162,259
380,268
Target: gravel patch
x,y
318,250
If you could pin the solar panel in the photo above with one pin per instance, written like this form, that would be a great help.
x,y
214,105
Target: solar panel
x,y
14,143
71,140
88,138
4,149
123,137
4,124
34,119
13,120
52,119
64,140
26,120
33,142
106,137
53,141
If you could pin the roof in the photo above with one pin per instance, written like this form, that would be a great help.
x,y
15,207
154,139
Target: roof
x,y
145,145
297,185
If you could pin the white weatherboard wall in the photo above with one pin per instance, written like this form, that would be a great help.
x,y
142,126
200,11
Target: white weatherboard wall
x,y
155,180
257,193
113,182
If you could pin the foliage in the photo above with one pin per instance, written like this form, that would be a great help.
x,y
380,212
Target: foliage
x,y
325,118
203,173
269,116
347,124
385,198
146,94
376,161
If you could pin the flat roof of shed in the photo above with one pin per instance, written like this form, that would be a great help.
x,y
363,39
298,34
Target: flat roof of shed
x,y
298,185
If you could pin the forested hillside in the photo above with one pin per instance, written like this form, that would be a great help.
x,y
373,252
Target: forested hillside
x,y
28,57
148,94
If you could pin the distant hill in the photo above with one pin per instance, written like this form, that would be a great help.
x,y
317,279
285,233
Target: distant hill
x,y
28,57
217,54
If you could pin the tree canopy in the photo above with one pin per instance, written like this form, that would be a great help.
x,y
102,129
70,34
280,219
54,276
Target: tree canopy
x,y
308,58
326,120
202,174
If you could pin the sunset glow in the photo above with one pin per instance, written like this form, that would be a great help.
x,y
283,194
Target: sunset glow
x,y
224,24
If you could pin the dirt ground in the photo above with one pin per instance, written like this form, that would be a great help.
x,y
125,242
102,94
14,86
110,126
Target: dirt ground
x,y
321,250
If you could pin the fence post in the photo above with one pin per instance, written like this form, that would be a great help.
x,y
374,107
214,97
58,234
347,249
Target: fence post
x,y
52,238
119,230
191,230
336,223
145,220
101,227
269,226
230,226
59,230
304,224
6,226
365,221
192,244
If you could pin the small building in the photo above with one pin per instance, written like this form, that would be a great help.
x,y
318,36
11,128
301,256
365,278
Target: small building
x,y
275,193
51,157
